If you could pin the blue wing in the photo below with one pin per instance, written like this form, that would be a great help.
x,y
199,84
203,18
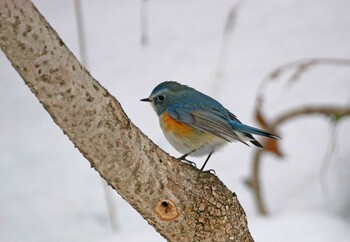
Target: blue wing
x,y
210,118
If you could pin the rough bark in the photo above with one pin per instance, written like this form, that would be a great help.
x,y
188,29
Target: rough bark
x,y
179,201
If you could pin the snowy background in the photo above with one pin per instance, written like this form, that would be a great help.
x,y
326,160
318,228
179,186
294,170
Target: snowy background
x,y
50,193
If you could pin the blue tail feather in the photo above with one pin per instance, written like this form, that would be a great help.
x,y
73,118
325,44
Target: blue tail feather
x,y
251,130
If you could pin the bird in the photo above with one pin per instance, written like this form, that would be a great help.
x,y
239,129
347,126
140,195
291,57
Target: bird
x,y
196,124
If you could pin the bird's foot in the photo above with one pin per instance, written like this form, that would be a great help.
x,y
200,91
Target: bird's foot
x,y
212,171
183,158
190,162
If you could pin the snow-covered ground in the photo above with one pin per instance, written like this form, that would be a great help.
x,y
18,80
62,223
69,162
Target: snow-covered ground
x,y
50,193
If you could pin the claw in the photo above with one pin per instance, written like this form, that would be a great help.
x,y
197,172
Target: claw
x,y
212,171
190,162
183,158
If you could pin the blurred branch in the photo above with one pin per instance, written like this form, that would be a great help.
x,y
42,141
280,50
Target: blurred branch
x,y
111,208
81,32
333,112
299,67
253,182
144,22
225,44
336,113
179,201
328,156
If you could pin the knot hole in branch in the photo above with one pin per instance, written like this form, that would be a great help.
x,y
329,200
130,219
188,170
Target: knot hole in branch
x,y
166,210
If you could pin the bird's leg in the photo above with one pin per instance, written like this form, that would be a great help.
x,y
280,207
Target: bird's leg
x,y
206,162
183,158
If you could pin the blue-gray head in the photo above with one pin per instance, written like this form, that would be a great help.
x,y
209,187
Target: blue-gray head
x,y
164,94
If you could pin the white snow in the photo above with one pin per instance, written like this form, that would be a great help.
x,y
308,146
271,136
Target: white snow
x,y
50,193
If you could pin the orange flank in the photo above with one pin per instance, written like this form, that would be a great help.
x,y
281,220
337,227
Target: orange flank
x,y
171,125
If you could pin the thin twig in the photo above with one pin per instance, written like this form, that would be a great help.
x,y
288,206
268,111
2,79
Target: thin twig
x,y
225,44
300,68
336,112
111,208
81,33
328,156
144,22
254,182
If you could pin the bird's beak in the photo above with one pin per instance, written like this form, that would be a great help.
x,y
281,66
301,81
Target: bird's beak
x,y
146,99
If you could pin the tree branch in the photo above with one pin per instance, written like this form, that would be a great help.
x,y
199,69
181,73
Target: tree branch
x,y
254,181
331,111
179,201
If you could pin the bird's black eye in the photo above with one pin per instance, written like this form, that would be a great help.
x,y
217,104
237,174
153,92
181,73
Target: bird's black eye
x,y
160,98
